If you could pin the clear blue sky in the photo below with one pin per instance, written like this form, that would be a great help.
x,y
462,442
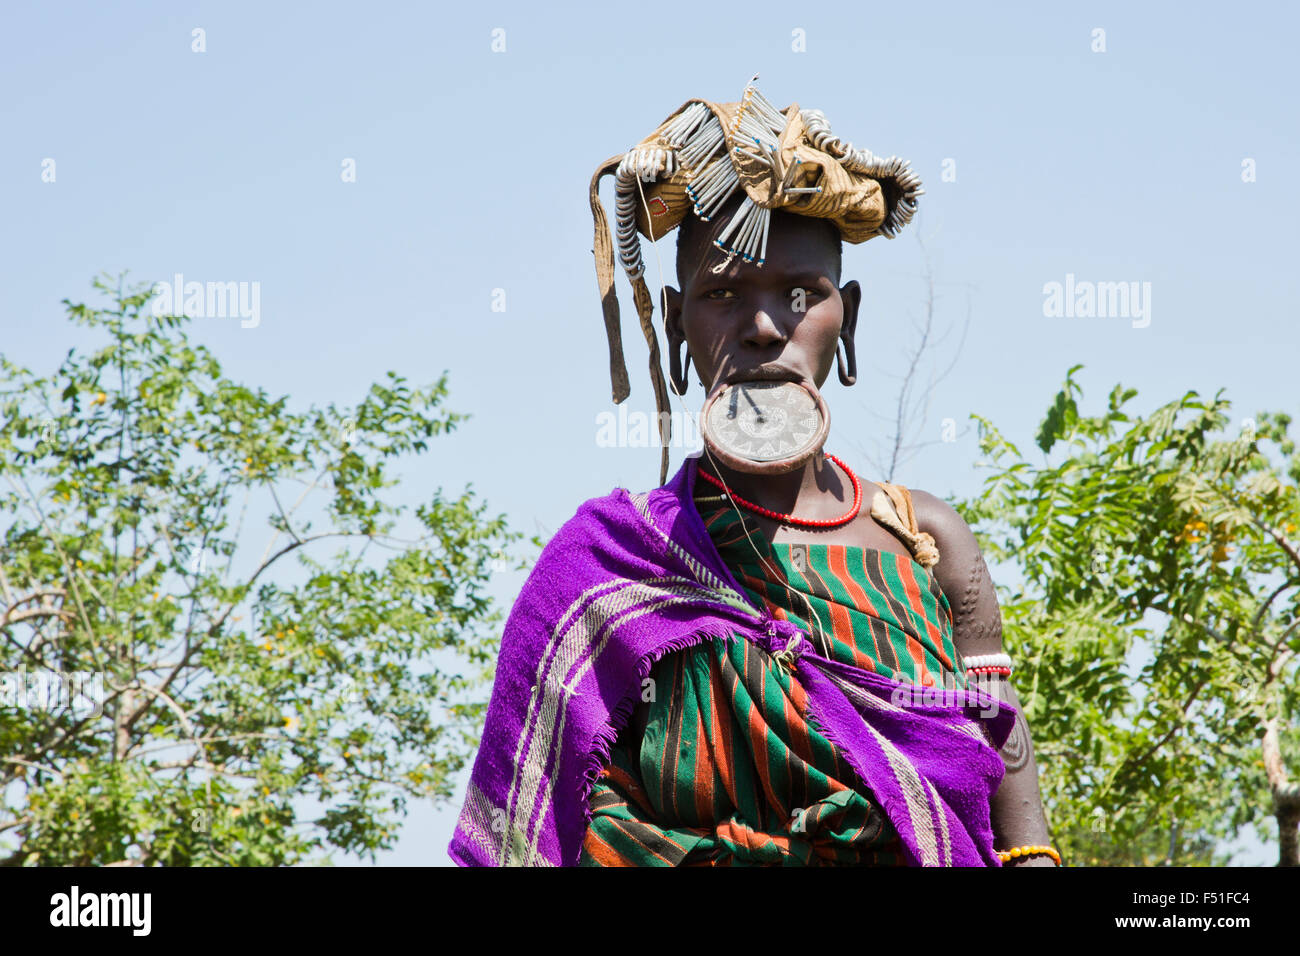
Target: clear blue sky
x,y
471,175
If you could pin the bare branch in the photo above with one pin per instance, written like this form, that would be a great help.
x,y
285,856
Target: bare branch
x,y
1263,608
34,765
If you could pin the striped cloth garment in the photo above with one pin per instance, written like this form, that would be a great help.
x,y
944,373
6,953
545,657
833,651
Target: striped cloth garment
x,y
630,580
729,769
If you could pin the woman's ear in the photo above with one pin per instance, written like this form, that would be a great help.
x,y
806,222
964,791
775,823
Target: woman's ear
x,y
672,307
851,296
677,369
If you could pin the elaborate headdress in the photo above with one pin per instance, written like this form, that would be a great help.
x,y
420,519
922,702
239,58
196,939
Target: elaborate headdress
x,y
783,159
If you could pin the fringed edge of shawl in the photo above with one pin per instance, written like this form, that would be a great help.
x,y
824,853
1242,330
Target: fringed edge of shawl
x,y
598,756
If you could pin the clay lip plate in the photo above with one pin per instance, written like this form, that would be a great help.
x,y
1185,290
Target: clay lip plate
x,y
792,425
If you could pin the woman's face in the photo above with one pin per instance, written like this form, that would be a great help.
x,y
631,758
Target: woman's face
x,y
781,320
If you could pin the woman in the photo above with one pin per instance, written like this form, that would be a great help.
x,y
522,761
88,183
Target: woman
x,y
770,620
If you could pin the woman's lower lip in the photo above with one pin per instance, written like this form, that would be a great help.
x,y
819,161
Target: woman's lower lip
x,y
742,379
782,375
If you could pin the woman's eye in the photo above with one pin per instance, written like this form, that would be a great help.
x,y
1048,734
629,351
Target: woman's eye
x,y
719,294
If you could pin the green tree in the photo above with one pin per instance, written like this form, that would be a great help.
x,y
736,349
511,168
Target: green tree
x,y
1155,623
331,667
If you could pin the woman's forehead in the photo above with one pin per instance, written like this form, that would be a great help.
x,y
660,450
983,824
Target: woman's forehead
x,y
797,246
807,260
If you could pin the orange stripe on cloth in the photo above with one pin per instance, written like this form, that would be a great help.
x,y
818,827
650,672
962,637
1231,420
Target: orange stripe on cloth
x,y
600,851
838,561
912,588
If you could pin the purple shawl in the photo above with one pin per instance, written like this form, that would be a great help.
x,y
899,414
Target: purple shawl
x,y
632,577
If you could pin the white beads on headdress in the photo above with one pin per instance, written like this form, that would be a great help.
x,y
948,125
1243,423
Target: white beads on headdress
x,y
761,123
696,142
864,161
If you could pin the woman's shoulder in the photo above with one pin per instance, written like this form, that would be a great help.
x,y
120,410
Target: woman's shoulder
x,y
937,517
963,575
959,552
620,520
614,506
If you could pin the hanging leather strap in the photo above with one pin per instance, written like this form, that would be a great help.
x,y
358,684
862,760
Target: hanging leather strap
x,y
603,250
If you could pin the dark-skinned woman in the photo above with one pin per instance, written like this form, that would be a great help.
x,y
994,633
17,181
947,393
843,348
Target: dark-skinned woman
x,y
750,666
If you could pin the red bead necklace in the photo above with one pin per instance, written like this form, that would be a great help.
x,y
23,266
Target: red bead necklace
x,y
791,519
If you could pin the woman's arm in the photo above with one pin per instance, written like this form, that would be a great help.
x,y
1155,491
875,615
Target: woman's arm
x,y
1017,808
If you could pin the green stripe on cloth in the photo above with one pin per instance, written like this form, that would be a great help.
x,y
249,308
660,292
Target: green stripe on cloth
x,y
730,771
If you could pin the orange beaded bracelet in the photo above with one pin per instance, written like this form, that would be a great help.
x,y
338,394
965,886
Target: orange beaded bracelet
x,y
1007,855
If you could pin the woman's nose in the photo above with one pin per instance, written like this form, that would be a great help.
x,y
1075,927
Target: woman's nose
x,y
763,331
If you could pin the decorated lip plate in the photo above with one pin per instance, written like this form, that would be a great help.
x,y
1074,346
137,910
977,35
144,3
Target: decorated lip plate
x,y
765,427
